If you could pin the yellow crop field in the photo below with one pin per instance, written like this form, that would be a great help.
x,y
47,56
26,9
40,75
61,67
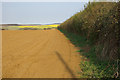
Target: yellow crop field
x,y
37,27
53,25
28,26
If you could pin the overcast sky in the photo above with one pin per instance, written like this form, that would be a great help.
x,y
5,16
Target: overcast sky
x,y
39,12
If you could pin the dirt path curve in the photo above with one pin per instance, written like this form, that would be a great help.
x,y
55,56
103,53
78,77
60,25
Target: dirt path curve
x,y
38,54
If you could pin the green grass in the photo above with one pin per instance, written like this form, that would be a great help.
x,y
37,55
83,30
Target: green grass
x,y
10,28
75,39
92,67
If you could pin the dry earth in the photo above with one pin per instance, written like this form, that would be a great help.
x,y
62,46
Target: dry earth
x,y
38,54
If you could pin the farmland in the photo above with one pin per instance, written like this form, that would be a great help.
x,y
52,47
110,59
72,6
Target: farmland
x,y
87,45
38,54
30,27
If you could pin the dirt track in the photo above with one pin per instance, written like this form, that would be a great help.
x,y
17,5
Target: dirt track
x,y
38,54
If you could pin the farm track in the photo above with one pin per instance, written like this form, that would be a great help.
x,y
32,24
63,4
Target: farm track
x,y
38,54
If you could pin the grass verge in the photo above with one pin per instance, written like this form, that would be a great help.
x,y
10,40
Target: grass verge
x,y
91,66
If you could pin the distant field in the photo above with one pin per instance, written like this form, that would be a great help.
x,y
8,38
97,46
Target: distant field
x,y
38,27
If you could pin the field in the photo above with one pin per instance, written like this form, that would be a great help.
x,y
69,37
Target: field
x,y
87,45
38,54
31,27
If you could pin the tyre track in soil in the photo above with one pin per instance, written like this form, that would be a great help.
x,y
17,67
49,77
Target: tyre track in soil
x,y
38,54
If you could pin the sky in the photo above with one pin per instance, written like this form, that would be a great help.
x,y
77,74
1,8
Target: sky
x,y
45,0
39,12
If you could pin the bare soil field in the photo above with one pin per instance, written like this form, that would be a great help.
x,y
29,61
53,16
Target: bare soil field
x,y
38,54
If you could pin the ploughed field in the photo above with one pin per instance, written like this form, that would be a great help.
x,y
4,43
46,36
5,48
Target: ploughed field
x,y
38,54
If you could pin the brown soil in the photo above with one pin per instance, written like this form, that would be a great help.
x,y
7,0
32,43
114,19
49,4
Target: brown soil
x,y
38,54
